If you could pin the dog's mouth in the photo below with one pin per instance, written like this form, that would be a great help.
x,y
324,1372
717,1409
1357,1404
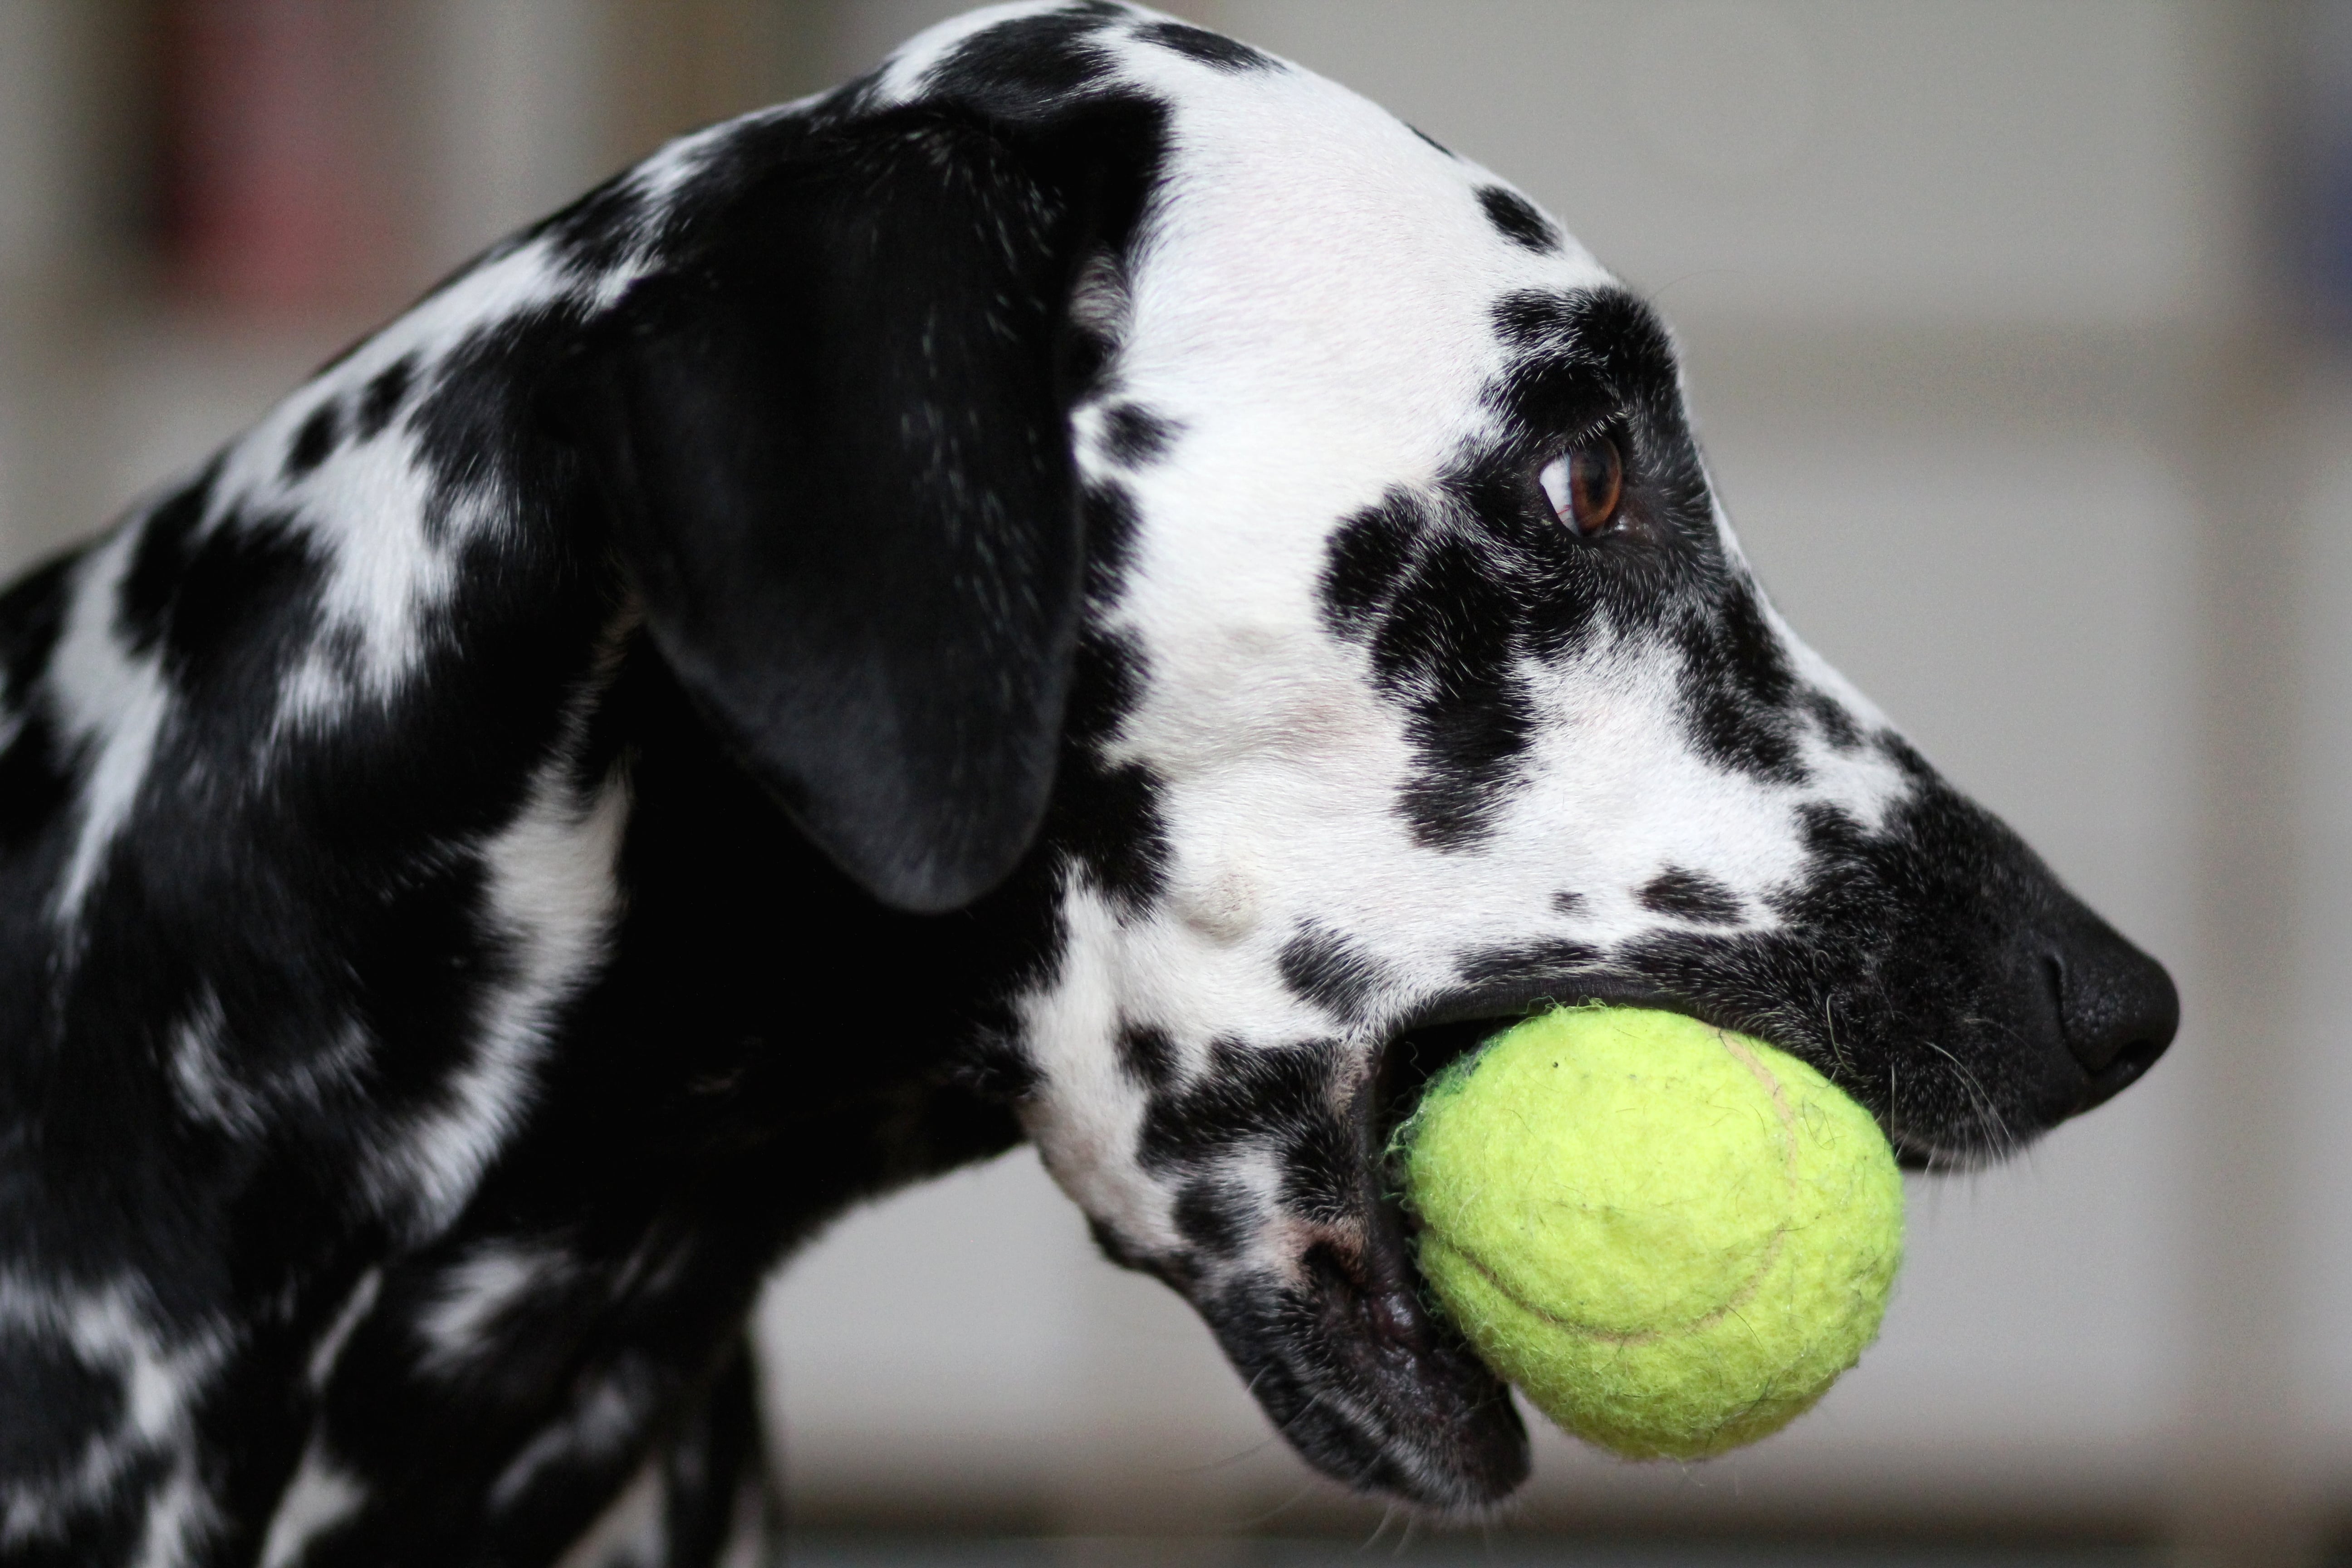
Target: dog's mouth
x,y
1358,1363
1351,1354
1458,1026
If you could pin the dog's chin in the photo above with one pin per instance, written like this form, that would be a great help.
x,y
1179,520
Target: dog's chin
x,y
1349,1355
1357,1368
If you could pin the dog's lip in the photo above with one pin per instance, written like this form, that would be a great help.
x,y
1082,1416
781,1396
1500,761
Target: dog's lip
x,y
1505,1002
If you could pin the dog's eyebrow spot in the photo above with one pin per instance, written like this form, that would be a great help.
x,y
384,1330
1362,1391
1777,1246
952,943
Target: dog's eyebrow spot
x,y
1209,48
315,439
1368,556
384,395
1565,903
1690,895
1449,650
1134,435
1516,219
1326,968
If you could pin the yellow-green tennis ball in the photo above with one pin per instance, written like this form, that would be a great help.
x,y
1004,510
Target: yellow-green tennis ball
x,y
1672,1238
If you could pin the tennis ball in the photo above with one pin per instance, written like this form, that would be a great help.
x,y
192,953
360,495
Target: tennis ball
x,y
1672,1238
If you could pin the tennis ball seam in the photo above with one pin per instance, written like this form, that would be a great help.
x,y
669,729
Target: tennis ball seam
x,y
1739,1299
1635,1379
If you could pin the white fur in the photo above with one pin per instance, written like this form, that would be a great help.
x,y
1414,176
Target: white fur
x,y
474,1293
321,1495
110,700
555,894
112,1330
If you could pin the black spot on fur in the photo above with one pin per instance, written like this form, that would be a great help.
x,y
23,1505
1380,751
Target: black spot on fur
x,y
384,395
1367,559
1135,436
57,1404
1533,961
1215,1217
226,605
1106,814
1837,725
467,427
1446,627
36,776
1565,903
1518,221
1738,690
598,231
1322,1166
166,541
1450,647
1146,1055
1248,1094
1209,48
1110,523
246,574
1326,968
996,1068
315,439
1691,896
1016,65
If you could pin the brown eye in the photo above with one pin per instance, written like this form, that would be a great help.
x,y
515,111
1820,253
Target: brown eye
x,y
1584,485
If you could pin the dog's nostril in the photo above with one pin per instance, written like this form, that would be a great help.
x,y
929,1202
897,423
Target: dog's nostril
x,y
2116,1006
2124,1069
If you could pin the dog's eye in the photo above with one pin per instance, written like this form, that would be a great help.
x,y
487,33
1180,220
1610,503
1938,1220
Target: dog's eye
x,y
1584,485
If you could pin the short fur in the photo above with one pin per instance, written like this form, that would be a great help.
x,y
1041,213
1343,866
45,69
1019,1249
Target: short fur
x,y
1008,600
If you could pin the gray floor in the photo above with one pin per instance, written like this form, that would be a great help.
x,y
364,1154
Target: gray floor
x,y
1446,1552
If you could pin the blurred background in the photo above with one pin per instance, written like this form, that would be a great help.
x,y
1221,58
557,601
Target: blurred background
x,y
2017,333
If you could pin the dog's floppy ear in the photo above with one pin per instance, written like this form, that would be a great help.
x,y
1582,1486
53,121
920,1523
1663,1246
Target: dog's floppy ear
x,y
835,439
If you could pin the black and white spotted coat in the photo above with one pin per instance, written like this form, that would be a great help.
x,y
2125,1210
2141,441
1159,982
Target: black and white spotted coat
x,y
1024,597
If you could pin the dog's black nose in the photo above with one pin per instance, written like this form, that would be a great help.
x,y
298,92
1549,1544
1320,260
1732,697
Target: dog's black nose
x,y
2116,1006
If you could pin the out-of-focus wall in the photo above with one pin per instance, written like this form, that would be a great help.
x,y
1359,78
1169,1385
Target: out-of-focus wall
x,y
1991,370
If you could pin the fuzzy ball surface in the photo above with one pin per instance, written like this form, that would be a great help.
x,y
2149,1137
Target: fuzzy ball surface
x,y
1672,1238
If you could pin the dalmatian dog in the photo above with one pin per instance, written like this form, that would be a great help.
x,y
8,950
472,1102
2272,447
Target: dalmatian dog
x,y
1086,586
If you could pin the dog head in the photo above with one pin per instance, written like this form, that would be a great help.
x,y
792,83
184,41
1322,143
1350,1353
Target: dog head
x,y
1091,451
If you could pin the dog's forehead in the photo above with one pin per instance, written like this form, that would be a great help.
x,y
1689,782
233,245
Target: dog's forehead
x,y
1310,265
1312,258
